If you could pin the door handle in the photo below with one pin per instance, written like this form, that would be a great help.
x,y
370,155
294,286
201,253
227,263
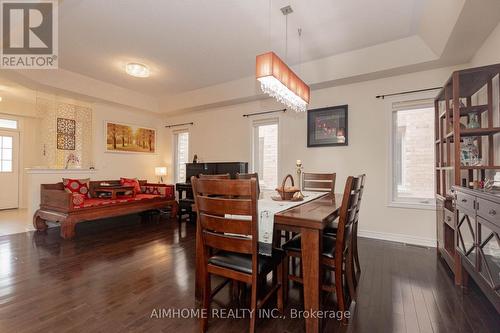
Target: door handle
x,y
492,212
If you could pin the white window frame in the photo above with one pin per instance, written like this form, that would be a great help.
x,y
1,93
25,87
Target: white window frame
x,y
175,163
394,104
253,127
12,118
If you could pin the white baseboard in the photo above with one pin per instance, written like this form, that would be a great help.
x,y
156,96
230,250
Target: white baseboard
x,y
399,238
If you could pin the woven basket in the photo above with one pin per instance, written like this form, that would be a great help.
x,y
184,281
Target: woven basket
x,y
286,193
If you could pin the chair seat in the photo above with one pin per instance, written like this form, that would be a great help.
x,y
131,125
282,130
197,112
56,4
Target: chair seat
x,y
294,244
330,231
243,262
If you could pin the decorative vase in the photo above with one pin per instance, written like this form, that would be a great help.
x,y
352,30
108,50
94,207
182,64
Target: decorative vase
x,y
473,121
469,152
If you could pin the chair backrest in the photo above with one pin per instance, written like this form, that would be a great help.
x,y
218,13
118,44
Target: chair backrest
x,y
227,214
250,176
220,176
360,187
347,217
318,182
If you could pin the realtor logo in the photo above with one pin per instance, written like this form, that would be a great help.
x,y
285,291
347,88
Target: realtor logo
x,y
29,34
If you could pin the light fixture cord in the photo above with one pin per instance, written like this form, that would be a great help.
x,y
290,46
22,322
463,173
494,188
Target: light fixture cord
x,y
286,37
269,26
300,50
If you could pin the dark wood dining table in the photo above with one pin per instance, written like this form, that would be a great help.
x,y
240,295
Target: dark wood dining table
x,y
309,219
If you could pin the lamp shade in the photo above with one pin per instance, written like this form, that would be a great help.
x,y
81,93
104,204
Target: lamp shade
x,y
280,82
161,171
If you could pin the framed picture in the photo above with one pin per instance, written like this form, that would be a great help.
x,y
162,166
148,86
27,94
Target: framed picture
x,y
124,138
327,127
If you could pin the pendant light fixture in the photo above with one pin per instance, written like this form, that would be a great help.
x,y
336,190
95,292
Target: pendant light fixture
x,y
278,80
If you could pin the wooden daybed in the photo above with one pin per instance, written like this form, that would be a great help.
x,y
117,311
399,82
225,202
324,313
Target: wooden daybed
x,y
57,205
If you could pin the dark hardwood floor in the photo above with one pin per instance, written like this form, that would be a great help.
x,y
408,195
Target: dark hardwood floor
x,y
117,272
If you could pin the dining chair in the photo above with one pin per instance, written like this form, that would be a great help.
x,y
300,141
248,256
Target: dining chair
x,y
337,254
250,176
220,176
228,222
318,182
332,230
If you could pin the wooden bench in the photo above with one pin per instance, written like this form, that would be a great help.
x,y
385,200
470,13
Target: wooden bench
x,y
59,206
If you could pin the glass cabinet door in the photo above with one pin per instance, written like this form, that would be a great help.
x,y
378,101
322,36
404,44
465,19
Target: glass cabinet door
x,y
466,235
489,254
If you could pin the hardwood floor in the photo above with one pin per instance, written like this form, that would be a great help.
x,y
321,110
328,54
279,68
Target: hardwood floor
x,y
111,281
13,221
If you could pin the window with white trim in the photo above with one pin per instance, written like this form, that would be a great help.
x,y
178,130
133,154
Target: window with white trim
x,y
8,123
181,155
412,146
265,152
6,153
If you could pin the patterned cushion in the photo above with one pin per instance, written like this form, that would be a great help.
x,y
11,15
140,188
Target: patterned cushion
x,y
165,191
121,199
80,186
78,200
131,182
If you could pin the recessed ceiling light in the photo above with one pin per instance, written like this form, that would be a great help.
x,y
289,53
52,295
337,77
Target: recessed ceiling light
x,y
137,70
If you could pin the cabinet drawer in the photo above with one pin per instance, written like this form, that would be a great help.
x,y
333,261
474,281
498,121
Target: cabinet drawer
x,y
449,218
465,201
489,210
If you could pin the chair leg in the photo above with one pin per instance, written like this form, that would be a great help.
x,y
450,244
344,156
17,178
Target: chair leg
x,y
281,282
286,272
339,290
253,306
206,302
350,278
235,290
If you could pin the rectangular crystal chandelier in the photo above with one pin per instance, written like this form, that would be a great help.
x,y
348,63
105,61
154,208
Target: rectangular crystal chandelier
x,y
280,82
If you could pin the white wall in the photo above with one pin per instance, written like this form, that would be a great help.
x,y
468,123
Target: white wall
x,y
224,134
108,165
116,165
489,53
28,125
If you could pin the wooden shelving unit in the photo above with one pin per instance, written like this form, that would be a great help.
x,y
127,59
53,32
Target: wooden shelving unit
x,y
467,92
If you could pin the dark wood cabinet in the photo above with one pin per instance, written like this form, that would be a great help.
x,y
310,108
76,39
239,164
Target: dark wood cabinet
x,y
215,168
456,107
477,240
185,191
446,224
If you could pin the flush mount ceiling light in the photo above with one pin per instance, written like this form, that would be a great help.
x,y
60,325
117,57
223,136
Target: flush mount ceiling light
x,y
278,80
137,70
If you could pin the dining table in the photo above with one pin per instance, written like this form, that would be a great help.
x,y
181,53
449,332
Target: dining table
x,y
309,219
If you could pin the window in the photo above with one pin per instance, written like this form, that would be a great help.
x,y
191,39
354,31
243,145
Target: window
x,y
412,154
181,155
8,123
5,154
265,152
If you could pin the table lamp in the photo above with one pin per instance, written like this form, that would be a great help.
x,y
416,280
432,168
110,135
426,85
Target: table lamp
x,y
160,172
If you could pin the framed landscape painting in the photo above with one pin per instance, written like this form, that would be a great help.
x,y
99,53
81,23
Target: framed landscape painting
x,y
124,138
327,127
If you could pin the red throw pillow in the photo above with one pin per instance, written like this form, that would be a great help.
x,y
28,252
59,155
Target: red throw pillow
x,y
131,182
80,186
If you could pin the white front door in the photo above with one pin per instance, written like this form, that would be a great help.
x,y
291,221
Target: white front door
x,y
9,169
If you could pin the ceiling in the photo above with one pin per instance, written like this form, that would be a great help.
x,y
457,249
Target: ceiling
x,y
193,44
202,52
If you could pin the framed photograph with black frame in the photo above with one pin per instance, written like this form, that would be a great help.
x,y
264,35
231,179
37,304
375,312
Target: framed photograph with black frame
x,y
327,126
